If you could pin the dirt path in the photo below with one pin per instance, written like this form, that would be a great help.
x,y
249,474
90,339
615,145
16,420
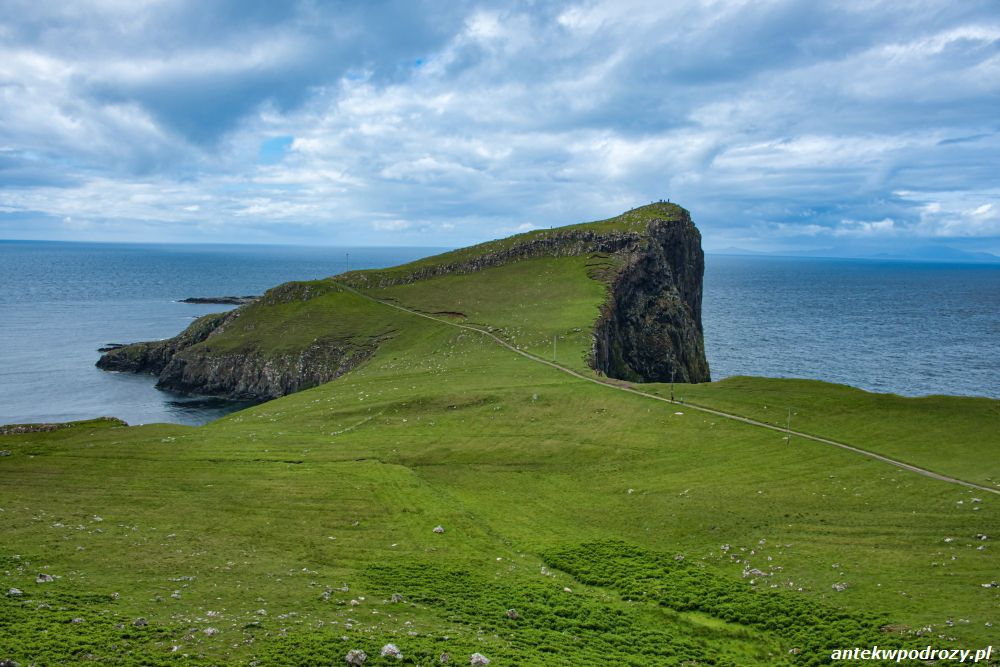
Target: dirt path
x,y
718,413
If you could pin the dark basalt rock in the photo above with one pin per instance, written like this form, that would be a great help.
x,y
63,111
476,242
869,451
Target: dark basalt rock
x,y
650,328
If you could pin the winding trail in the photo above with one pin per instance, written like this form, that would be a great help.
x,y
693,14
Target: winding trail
x,y
726,415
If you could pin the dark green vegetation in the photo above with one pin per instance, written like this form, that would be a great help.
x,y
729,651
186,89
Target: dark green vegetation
x,y
288,528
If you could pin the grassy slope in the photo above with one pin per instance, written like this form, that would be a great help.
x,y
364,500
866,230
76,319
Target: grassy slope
x,y
634,221
270,507
951,435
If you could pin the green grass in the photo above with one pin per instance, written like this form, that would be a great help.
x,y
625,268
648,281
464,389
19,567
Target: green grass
x,y
292,317
528,303
952,435
283,505
635,221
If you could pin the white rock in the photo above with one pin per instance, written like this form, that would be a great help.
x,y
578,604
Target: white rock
x,y
391,651
356,657
478,660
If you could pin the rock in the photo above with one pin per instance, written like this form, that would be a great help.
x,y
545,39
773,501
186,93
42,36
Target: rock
x,y
650,328
115,596
438,529
355,603
224,300
9,663
478,660
14,593
754,572
840,587
252,373
396,597
140,622
391,651
981,536
211,632
512,614
444,659
4,452
356,657
77,620
44,578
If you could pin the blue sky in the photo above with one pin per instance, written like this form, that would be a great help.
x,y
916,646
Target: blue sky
x,y
781,125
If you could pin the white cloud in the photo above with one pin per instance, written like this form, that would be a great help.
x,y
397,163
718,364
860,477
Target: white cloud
x,y
390,225
779,120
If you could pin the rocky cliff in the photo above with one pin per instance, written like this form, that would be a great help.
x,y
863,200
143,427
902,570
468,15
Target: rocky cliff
x,y
202,360
649,328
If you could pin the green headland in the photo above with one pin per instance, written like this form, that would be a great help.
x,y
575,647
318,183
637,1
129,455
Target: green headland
x,y
477,453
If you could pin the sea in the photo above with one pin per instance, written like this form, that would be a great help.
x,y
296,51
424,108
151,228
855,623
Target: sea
x,y
887,326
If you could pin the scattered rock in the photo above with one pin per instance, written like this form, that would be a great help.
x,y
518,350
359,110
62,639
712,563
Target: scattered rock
x,y
754,572
43,578
115,596
992,584
9,663
438,529
396,597
4,452
478,660
391,651
445,659
355,603
981,536
679,557
356,657
77,620
211,632
512,614
840,586
140,622
949,539
14,593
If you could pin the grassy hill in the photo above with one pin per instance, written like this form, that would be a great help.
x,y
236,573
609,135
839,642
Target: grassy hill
x,y
582,525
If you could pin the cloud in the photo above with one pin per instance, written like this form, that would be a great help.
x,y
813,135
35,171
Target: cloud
x,y
779,122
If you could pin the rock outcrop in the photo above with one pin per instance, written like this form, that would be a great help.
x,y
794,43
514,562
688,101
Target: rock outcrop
x,y
252,372
649,328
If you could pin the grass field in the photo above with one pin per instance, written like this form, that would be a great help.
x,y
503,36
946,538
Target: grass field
x,y
617,529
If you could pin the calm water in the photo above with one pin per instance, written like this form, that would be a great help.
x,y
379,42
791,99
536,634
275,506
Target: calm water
x,y
886,326
61,301
901,327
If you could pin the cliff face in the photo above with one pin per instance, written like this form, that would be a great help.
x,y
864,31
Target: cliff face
x,y
193,362
649,328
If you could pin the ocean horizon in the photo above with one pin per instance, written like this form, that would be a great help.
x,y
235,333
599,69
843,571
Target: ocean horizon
x,y
897,326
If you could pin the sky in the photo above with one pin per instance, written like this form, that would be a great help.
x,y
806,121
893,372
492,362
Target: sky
x,y
782,125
